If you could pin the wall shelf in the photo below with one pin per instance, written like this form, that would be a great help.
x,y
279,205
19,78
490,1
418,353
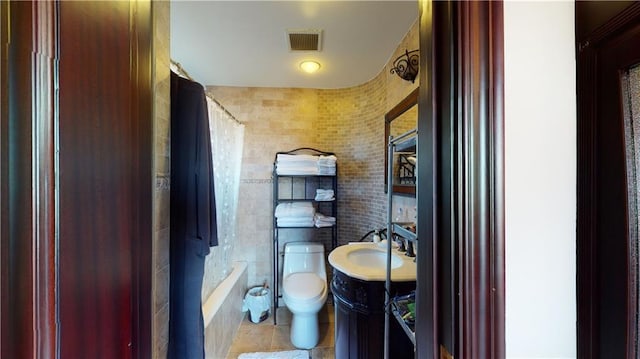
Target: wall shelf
x,y
402,142
408,330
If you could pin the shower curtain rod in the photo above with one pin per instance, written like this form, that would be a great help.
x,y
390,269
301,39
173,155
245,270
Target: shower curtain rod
x,y
186,74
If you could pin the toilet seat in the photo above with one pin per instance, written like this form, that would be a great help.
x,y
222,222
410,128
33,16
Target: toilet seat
x,y
303,286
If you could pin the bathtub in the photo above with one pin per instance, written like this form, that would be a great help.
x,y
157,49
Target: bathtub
x,y
222,312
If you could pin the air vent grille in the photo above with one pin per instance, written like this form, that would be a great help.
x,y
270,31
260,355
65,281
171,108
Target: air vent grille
x,y
304,40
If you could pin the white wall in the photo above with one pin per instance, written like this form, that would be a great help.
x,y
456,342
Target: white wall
x,y
540,179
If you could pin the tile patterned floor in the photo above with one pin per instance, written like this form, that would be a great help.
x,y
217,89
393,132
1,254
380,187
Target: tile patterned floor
x,y
266,337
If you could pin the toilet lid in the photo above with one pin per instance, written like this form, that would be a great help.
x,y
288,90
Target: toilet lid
x,y
303,285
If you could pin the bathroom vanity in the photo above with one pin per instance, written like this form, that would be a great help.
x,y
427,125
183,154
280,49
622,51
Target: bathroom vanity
x,y
358,284
359,319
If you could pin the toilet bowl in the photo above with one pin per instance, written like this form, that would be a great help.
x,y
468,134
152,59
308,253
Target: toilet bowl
x,y
304,290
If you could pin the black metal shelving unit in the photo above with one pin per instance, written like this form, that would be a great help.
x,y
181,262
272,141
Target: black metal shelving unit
x,y
301,188
404,142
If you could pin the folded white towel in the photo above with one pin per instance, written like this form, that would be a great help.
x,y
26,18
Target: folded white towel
x,y
324,195
322,220
295,209
295,222
297,171
296,165
302,165
329,160
318,225
280,157
322,171
305,165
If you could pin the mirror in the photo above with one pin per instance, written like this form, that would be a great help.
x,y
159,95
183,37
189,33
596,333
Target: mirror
x,y
400,119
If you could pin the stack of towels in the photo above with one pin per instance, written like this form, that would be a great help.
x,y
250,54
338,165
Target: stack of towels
x,y
296,164
324,195
324,221
327,165
305,165
301,214
295,214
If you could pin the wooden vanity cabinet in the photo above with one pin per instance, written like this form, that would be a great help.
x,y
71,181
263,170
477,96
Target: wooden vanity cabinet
x,y
359,319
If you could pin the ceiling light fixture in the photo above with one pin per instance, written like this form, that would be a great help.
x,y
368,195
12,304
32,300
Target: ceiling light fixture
x,y
406,66
309,66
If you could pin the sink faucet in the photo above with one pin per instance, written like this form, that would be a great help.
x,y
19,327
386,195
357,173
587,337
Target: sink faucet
x,y
400,241
410,252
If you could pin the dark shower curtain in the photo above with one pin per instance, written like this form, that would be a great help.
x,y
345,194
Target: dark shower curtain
x,y
193,216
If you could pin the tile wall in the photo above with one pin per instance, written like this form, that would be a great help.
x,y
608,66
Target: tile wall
x,y
349,122
162,172
356,117
275,120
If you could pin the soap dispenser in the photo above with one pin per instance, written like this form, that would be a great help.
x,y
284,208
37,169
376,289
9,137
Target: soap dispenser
x,y
376,236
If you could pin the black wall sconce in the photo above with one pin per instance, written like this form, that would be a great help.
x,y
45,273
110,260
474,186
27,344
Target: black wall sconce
x,y
406,66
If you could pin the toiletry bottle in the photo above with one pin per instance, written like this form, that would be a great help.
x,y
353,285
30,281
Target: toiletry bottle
x,y
400,215
376,237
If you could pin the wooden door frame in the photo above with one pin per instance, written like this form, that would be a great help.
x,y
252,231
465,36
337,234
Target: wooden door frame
x,y
142,109
27,239
587,194
461,263
28,124
480,136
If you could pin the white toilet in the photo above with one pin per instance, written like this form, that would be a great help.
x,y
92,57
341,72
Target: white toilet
x,y
304,287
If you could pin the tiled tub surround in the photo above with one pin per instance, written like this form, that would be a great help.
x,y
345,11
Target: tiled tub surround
x,y
222,312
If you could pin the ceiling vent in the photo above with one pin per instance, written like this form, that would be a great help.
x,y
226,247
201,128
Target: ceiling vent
x,y
304,40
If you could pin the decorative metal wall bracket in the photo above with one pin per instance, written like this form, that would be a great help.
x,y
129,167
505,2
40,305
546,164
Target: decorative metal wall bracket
x,y
406,66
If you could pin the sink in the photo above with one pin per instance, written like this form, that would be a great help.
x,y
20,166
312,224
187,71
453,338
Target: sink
x,y
368,261
370,257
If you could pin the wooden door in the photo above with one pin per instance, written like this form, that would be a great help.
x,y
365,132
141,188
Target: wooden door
x,y
76,196
460,296
17,240
607,276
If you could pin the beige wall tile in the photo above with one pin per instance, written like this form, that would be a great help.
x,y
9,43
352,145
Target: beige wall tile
x,y
161,169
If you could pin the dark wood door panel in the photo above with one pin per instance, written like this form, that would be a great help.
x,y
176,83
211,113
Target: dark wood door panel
x,y
97,177
75,179
603,270
615,56
460,296
16,198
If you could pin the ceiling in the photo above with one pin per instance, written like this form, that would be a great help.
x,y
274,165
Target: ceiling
x,y
244,43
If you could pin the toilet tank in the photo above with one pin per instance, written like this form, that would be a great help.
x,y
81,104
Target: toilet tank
x,y
304,257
